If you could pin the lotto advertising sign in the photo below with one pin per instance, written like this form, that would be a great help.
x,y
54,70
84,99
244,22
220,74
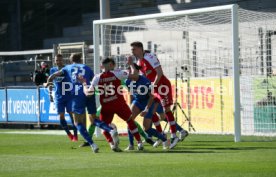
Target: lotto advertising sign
x,y
3,117
209,105
48,111
22,105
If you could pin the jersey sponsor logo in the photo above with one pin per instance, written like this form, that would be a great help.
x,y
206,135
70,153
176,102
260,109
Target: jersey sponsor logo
x,y
108,79
105,100
59,79
156,63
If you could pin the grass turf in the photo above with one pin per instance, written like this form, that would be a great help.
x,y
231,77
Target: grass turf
x,y
199,155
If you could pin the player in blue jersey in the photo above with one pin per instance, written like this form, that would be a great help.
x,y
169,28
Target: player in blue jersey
x,y
80,102
142,103
62,99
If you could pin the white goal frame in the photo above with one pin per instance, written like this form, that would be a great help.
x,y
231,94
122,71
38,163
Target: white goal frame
x,y
235,49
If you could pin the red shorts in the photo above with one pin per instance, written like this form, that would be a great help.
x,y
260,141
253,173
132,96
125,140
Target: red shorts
x,y
108,111
164,92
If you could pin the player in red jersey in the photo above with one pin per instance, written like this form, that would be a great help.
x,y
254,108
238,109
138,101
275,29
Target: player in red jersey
x,y
151,68
112,101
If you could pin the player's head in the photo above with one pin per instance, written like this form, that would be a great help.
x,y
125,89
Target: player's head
x,y
137,48
75,58
108,64
59,60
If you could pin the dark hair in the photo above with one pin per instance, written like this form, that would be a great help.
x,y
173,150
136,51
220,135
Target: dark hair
x,y
108,60
137,44
75,57
59,55
147,51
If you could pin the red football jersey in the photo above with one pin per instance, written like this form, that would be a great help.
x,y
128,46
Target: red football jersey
x,y
108,84
148,65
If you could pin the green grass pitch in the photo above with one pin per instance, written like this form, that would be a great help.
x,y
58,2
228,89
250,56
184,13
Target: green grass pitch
x,y
26,155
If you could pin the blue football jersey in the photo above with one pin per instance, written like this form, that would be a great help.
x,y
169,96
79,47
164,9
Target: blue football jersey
x,y
61,85
139,89
75,70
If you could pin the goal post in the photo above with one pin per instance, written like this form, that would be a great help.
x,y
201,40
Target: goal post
x,y
222,56
236,73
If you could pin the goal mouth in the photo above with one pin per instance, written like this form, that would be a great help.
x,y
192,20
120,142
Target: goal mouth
x,y
223,54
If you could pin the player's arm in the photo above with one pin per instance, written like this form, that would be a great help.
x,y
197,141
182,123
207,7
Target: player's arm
x,y
131,98
50,87
154,62
159,74
52,77
130,90
150,102
89,90
134,73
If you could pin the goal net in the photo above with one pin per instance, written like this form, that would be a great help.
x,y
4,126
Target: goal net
x,y
224,57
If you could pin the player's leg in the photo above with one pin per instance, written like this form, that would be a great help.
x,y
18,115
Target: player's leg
x,y
147,122
92,128
182,132
135,112
124,112
79,115
69,110
136,108
106,116
79,122
165,95
143,133
155,118
60,105
65,127
91,109
75,130
131,141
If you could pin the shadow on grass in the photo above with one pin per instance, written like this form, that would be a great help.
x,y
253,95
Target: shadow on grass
x,y
234,148
168,151
223,147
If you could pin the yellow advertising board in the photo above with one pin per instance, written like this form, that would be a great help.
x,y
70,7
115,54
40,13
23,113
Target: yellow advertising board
x,y
209,105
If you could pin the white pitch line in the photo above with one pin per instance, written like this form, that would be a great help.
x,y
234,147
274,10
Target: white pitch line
x,y
44,132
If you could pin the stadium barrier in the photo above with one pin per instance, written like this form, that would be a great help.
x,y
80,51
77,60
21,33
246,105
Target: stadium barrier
x,y
30,105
